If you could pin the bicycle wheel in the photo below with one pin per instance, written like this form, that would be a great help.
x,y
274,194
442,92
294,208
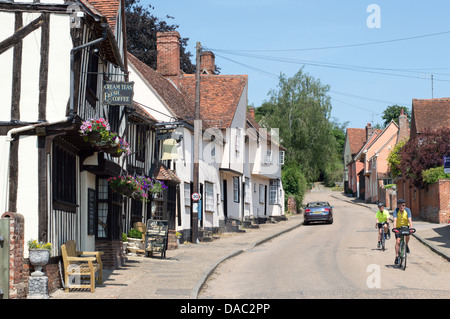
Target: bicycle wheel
x,y
383,241
403,255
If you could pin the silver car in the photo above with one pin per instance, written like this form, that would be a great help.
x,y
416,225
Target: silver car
x,y
318,212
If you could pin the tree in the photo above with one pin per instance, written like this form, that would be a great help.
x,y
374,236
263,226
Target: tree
x,y
300,107
424,152
142,27
393,112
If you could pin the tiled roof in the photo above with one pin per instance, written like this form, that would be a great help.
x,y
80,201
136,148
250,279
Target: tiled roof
x,y
430,113
356,138
107,8
220,96
162,173
179,102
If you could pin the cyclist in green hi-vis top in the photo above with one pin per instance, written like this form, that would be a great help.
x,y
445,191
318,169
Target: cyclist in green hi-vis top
x,y
382,217
402,217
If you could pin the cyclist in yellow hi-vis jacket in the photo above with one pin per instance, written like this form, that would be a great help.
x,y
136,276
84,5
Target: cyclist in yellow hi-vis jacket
x,y
402,217
382,217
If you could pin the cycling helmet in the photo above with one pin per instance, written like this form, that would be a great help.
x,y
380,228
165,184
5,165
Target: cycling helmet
x,y
401,201
380,204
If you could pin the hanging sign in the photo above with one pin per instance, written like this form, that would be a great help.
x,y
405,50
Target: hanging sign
x,y
118,93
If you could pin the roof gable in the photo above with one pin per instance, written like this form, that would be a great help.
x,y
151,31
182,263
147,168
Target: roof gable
x,y
356,138
177,101
220,96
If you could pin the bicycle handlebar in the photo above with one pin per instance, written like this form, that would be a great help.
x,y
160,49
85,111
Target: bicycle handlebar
x,y
411,230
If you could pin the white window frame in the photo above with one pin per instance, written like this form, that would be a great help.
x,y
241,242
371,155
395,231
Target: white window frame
x,y
187,194
247,190
236,189
273,192
209,197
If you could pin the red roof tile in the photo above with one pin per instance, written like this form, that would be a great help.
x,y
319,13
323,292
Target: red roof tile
x,y
108,8
220,96
179,102
356,138
430,113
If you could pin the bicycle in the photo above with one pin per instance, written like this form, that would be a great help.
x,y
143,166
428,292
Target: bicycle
x,y
383,236
402,255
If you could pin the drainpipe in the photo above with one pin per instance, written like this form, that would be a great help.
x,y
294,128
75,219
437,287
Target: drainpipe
x,y
72,63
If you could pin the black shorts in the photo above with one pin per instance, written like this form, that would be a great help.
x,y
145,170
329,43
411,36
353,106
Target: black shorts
x,y
381,224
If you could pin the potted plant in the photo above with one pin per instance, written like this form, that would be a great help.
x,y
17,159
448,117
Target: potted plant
x,y
136,187
39,255
97,131
135,241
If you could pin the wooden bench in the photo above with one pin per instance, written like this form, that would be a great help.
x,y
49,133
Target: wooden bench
x,y
75,265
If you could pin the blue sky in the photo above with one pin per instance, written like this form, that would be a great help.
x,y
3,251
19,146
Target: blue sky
x,y
368,66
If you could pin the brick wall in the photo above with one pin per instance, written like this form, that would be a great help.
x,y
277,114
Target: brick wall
x,y
430,204
113,256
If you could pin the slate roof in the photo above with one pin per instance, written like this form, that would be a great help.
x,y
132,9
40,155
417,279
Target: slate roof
x,y
430,113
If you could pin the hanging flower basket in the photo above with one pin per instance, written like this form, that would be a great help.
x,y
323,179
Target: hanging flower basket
x,y
97,131
136,187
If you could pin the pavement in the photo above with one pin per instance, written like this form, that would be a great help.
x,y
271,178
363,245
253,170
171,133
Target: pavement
x,y
185,270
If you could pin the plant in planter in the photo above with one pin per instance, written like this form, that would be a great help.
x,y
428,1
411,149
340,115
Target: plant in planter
x,y
136,187
97,131
39,255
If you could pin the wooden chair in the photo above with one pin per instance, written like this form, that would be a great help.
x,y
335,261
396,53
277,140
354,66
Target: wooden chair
x,y
75,265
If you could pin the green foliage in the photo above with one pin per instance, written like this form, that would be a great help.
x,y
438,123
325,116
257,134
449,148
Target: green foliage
x,y
432,175
301,108
134,233
394,159
142,27
294,183
124,237
393,112
424,152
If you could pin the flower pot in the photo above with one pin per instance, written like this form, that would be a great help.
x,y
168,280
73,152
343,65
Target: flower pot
x,y
39,258
111,149
94,136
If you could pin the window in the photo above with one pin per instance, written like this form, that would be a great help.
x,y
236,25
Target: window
x,y
268,157
281,158
140,142
273,192
102,208
236,189
187,194
261,194
247,190
209,197
64,179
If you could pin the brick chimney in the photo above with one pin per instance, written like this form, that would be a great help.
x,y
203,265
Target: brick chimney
x,y
369,131
251,112
403,124
208,63
168,55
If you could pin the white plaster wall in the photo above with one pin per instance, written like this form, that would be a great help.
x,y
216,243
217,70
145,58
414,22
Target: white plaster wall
x,y
58,90
27,190
6,60
31,57
146,95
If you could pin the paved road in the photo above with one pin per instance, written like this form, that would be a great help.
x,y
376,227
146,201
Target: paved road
x,y
330,261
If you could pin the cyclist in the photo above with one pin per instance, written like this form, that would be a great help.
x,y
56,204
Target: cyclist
x,y
402,217
382,217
